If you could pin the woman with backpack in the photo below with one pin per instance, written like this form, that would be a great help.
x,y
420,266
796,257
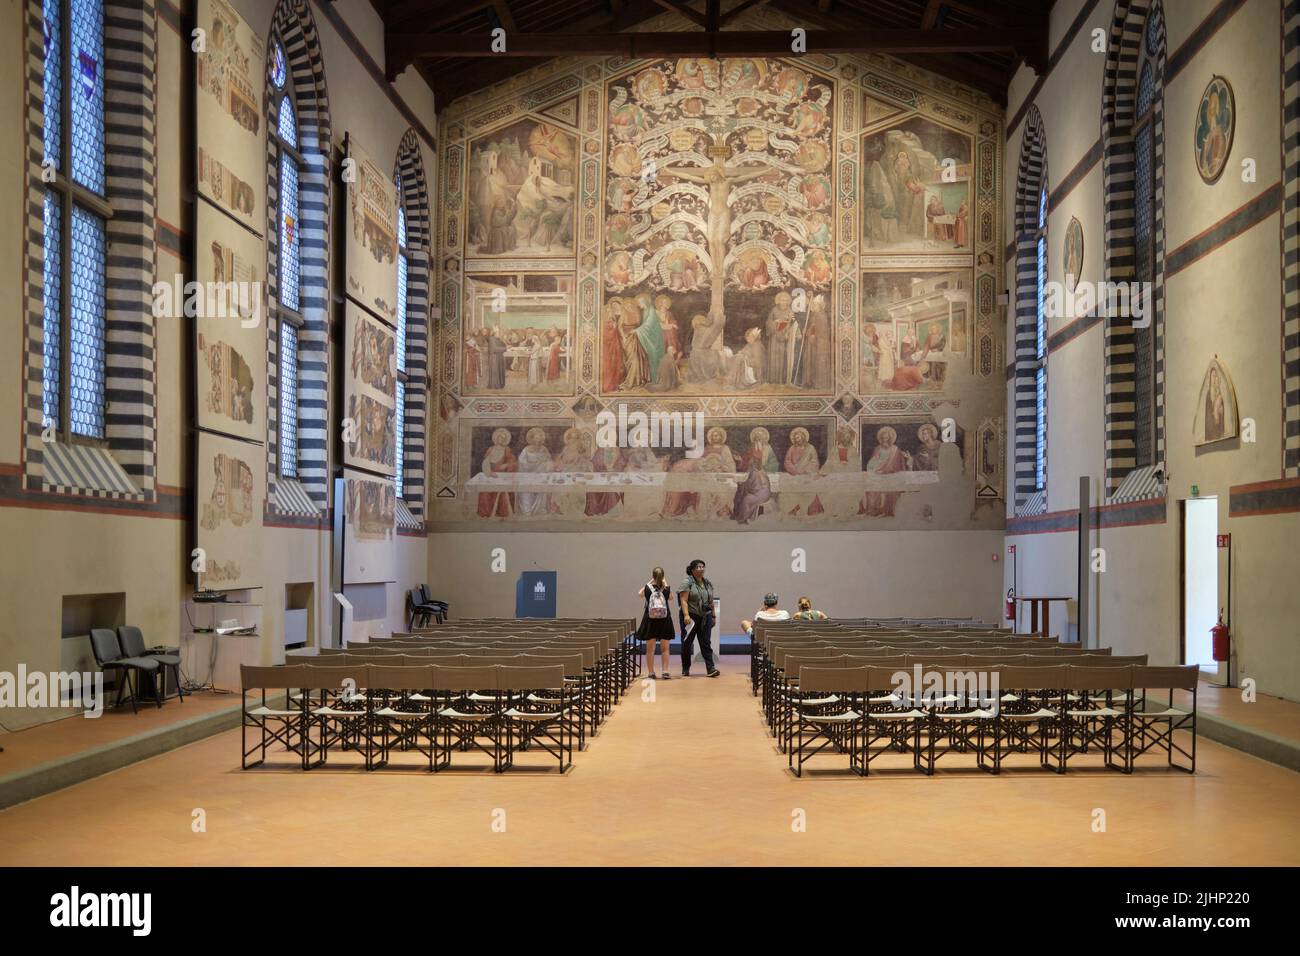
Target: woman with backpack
x,y
657,624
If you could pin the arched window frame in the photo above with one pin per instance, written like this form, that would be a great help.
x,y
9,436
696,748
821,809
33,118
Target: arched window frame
x,y
306,493
413,196
286,299
115,367
1030,380
1134,355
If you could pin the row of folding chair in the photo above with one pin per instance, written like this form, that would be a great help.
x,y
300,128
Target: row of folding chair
x,y
1057,712
437,710
781,687
599,690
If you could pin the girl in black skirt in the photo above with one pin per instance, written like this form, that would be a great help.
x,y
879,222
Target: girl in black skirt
x,y
657,623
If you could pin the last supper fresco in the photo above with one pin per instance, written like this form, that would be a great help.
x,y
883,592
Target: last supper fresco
x,y
800,251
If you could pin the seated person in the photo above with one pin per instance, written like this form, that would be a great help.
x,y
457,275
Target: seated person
x,y
768,612
807,612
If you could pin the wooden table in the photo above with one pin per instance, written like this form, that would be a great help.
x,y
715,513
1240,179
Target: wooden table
x,y
1034,604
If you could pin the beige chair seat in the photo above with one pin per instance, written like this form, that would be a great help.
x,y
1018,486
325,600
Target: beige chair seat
x,y
336,712
272,712
845,718
401,714
1097,712
1039,714
819,701
898,715
887,699
1167,712
455,714
968,715
514,714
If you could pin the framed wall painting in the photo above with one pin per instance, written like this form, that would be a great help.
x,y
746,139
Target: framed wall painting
x,y
370,514
369,393
1216,407
370,252
230,372
1216,120
231,495
231,131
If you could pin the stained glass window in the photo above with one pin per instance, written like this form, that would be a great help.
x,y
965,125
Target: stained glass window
x,y
1040,350
400,342
400,459
86,94
289,230
278,67
86,398
288,399
54,82
75,241
285,134
53,245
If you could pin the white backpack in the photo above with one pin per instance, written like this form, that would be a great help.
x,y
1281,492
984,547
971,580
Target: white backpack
x,y
658,606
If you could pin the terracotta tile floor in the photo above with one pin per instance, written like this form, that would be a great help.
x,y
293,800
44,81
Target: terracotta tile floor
x,y
690,778
62,738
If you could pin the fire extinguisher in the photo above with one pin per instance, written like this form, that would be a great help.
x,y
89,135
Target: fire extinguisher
x,y
1222,640
1011,604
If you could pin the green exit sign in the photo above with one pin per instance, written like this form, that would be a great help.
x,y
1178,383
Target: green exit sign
x,y
1196,491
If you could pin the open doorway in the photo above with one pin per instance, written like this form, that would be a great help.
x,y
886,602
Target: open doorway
x,y
1200,577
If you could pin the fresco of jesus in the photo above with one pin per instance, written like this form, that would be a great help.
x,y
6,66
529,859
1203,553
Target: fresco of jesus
x,y
719,177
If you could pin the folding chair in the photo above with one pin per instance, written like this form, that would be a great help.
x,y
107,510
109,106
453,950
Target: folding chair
x,y
888,718
1148,729
283,724
539,715
824,715
337,706
467,705
1030,708
1098,703
965,718
400,713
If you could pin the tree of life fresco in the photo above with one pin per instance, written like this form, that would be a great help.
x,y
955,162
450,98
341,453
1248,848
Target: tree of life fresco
x,y
718,246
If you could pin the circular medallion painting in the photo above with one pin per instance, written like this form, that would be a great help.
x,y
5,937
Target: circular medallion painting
x,y
1216,119
1072,254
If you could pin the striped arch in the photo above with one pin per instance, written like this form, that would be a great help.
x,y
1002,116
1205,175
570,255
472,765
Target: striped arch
x,y
129,333
1124,479
419,239
294,24
1031,179
1291,237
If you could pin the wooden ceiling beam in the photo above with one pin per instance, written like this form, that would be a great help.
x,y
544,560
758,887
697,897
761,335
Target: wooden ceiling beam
x,y
737,10
408,47
682,10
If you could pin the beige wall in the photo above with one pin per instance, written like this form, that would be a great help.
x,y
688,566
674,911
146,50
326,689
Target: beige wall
x,y
51,551
849,573
1225,304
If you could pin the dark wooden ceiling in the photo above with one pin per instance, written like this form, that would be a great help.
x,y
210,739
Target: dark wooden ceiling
x,y
978,43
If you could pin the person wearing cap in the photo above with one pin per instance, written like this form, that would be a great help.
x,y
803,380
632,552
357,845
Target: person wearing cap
x,y
768,612
696,595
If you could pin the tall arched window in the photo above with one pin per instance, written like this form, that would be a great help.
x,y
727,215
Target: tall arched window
x,y
413,328
1144,246
76,214
400,346
1040,350
288,163
1029,397
297,270
1132,130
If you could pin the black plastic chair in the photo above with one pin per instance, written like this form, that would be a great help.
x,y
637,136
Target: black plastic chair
x,y
108,655
131,639
440,608
418,613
